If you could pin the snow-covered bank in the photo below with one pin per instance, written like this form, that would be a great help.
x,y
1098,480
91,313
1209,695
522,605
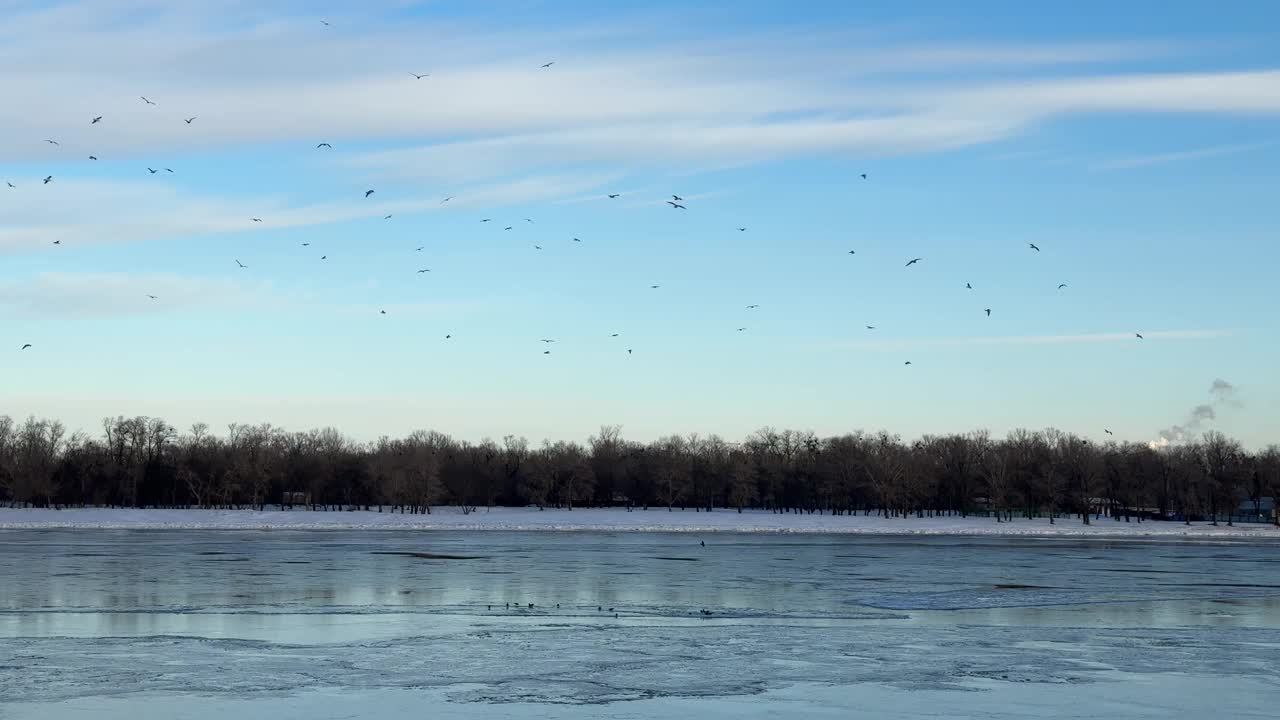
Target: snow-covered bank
x,y
654,520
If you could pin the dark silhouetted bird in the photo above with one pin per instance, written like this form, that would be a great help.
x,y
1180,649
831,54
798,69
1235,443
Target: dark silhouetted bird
x,y
54,142
324,257
742,229
614,195
446,200
537,247
507,227
168,170
382,312
367,193
48,179
914,261
96,120
968,286
614,335
907,362
546,340
677,198
1033,247
324,145
446,337
988,311
628,351
147,101
676,205
306,244
752,307
653,287
577,240
863,176
419,248
386,217
1107,431
1139,336
871,327
189,120
10,184
324,23
255,219
242,265
152,171
853,252
741,329
546,352
153,297
57,242
419,77
424,270
1062,286
24,347
547,65
487,220
91,157
528,220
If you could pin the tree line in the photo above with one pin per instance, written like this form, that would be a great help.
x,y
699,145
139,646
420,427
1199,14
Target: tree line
x,y
145,462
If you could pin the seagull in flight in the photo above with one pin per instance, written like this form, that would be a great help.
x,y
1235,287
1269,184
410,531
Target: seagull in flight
x,y
367,193
487,220
419,77
614,196
1062,286
676,205
742,229
324,257
546,340
546,352
419,248
914,261
446,200
654,287
1105,430
153,297
48,179
853,252
242,265
24,347
988,311
147,101
677,198
189,120
537,247
752,307
614,335
306,244
871,327
907,362
967,286
547,65
863,176
92,157
96,120
255,219
1033,247
628,351
577,240
1139,336
168,170
324,145
153,172
424,270
54,142
387,217
382,312
6,182
57,242
507,227
741,329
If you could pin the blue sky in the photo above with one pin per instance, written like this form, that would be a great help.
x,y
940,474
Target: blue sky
x,y
1134,143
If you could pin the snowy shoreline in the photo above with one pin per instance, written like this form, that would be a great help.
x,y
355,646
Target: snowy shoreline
x,y
611,520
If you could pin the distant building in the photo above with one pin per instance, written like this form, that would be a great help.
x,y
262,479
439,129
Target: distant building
x,y
291,498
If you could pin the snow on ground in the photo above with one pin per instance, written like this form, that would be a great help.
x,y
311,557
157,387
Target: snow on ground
x,y
597,519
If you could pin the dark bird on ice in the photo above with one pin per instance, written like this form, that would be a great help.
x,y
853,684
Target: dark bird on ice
x,y
419,77
324,145
48,179
367,193
613,196
914,261
242,265
988,311
547,65
96,120
24,347
1033,247
147,101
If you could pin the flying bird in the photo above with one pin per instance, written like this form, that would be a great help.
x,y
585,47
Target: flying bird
x,y
853,252
54,142
168,170
153,297
577,240
446,337
528,220
742,229
1033,247
367,193
914,261
537,247
242,265
863,176
10,184
91,157
24,347
1107,431
677,206
306,244
419,77
189,120
324,145
255,219
487,220
741,329
988,311
1139,336
967,286
547,65
386,217
1062,286
507,227
653,287
424,270
871,327
57,242
153,172
324,257
324,23
147,101
48,179
446,200
382,312
96,120
546,340
613,195
907,362
677,198
419,248
752,307
614,335
628,351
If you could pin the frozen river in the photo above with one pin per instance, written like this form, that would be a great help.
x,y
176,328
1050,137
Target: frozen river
x,y
388,624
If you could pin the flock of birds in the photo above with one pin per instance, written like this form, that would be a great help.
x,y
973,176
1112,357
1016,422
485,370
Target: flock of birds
x,y
676,202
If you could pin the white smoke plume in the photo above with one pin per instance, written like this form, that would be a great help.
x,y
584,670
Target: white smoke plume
x,y
1221,394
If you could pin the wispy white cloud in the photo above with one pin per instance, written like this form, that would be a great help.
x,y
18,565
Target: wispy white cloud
x,y
107,294
1111,337
1136,161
